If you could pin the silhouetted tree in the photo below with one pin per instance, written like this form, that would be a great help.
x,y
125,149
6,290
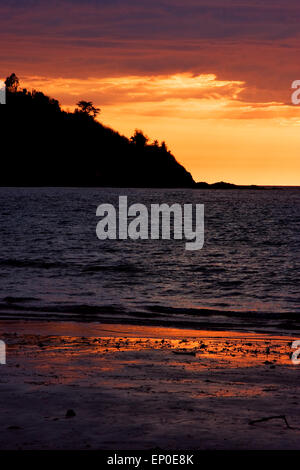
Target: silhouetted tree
x,y
12,83
139,138
164,146
87,107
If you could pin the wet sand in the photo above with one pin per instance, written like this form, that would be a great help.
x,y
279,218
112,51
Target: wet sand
x,y
135,387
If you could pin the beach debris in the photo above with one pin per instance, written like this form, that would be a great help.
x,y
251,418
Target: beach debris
x,y
70,413
184,351
268,418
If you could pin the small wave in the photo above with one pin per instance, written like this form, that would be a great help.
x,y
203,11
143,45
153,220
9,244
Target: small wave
x,y
27,263
208,269
153,315
11,299
224,313
126,268
230,284
65,308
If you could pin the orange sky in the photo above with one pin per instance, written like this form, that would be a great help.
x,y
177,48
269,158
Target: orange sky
x,y
210,130
210,77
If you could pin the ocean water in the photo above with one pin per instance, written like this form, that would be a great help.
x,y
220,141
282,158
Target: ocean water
x,y
247,275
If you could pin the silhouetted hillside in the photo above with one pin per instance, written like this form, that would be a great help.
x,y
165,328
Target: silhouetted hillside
x,y
48,146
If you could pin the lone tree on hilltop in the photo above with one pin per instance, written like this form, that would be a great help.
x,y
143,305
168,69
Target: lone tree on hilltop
x,y
87,107
12,83
139,138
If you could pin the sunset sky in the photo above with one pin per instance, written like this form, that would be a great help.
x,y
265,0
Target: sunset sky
x,y
212,78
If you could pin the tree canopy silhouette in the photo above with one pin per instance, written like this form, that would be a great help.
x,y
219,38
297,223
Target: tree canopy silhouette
x,y
12,83
139,138
87,107
49,146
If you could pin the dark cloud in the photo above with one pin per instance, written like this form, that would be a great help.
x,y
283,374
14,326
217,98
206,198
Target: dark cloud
x,y
253,41
130,19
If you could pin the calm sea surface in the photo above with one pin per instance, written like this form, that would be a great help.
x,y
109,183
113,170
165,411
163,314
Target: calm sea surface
x,y
52,265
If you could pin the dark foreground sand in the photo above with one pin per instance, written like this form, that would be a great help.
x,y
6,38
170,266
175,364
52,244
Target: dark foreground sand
x,y
136,388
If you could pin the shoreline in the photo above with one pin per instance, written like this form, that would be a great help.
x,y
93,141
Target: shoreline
x,y
131,329
279,327
141,387
198,185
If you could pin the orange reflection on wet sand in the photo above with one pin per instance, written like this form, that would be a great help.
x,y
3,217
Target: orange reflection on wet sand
x,y
110,358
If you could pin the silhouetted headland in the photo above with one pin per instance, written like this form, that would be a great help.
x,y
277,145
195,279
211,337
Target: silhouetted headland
x,y
51,147
47,146
222,185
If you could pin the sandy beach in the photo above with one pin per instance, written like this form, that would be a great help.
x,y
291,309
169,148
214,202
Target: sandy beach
x,y
134,387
